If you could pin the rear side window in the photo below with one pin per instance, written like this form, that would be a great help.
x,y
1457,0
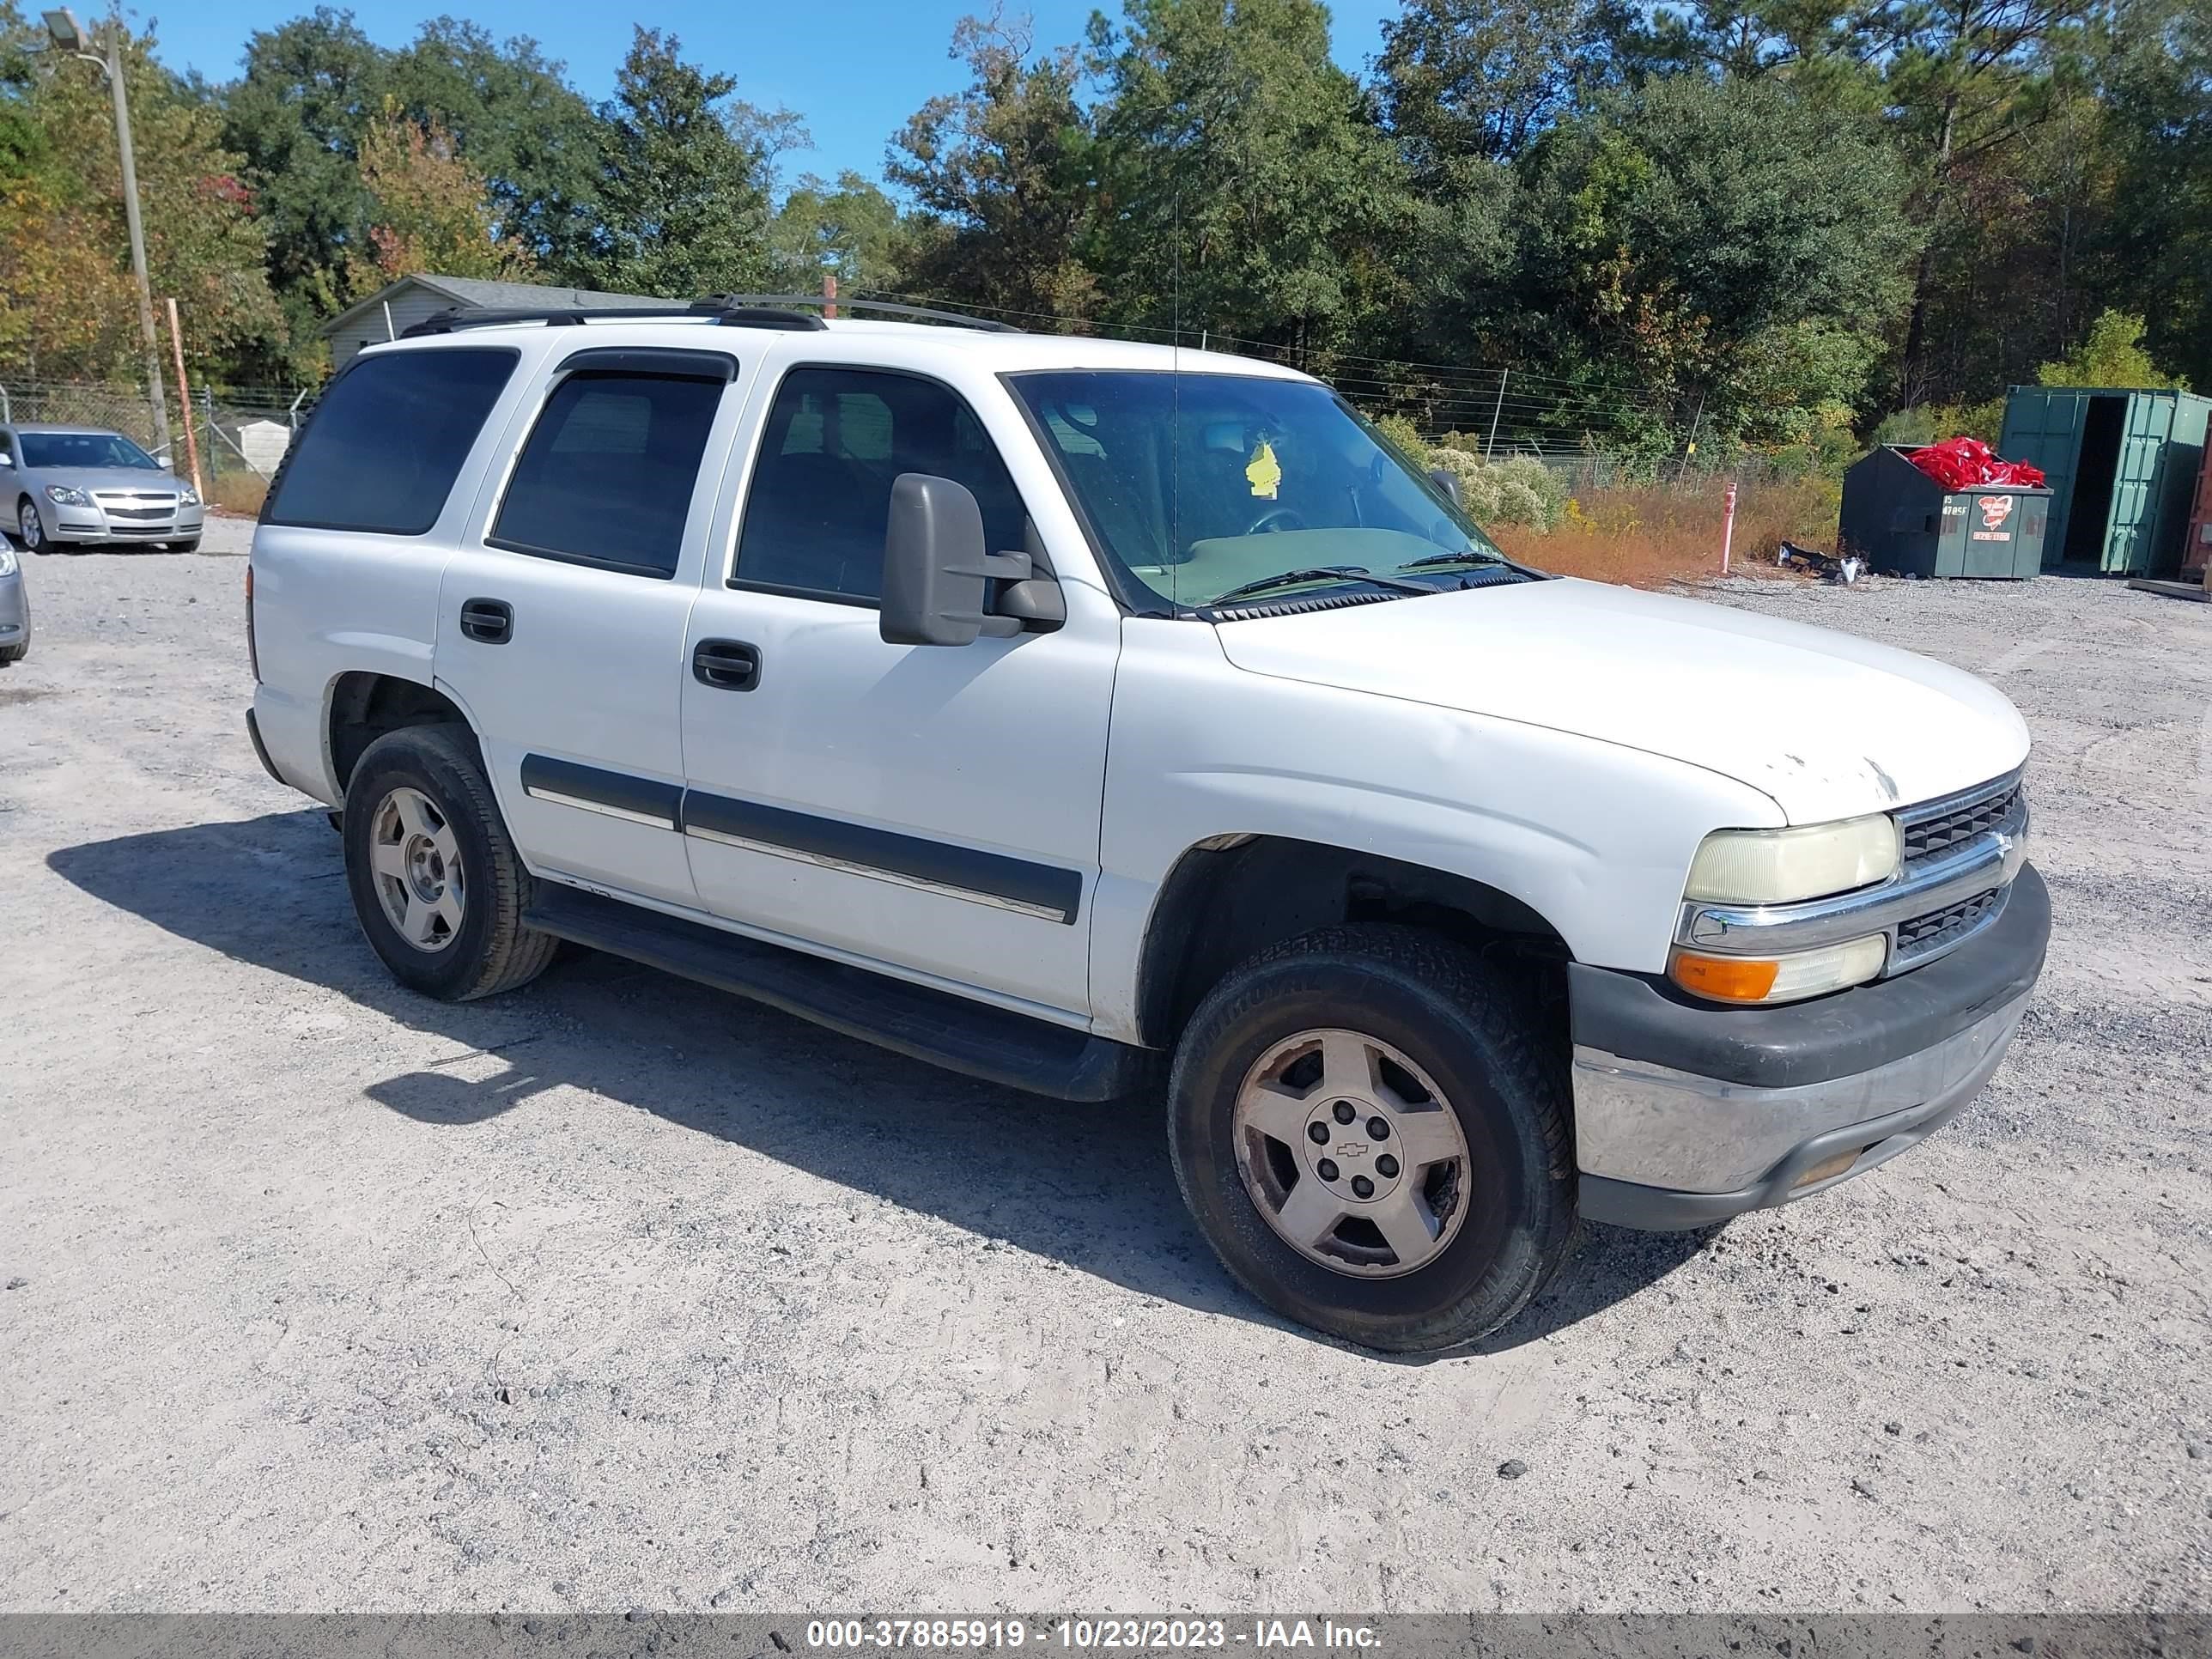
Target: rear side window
x,y
387,441
836,441
607,476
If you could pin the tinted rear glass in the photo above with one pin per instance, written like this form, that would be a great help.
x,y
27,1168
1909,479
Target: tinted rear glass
x,y
388,439
607,475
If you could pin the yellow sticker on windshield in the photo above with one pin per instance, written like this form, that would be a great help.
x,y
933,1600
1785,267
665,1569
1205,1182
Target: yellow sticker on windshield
x,y
1266,475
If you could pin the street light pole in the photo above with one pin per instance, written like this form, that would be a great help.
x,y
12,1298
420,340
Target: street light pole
x,y
68,35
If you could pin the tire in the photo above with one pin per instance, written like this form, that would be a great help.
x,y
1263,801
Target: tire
x,y
1461,1037
31,527
13,653
421,790
190,546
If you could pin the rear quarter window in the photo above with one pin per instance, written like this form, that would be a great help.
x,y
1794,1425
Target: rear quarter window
x,y
382,449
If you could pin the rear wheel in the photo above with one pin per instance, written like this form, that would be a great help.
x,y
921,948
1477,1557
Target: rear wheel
x,y
437,885
1373,1136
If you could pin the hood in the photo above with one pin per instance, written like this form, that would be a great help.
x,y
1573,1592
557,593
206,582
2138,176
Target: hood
x,y
1830,725
110,478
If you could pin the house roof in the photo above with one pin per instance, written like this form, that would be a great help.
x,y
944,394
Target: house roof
x,y
477,294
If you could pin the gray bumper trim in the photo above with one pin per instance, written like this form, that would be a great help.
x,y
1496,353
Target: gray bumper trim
x,y
1716,1149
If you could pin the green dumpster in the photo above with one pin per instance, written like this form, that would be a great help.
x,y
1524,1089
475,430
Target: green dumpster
x,y
1902,523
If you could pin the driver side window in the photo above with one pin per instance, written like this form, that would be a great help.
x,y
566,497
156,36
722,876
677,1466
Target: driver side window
x,y
835,441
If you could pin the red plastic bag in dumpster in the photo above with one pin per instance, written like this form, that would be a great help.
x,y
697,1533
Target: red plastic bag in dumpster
x,y
1967,463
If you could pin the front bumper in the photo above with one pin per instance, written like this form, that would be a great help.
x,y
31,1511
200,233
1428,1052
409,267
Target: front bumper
x,y
96,523
1686,1114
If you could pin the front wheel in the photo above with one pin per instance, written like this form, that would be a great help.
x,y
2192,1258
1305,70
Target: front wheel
x,y
1370,1129
437,885
189,544
31,527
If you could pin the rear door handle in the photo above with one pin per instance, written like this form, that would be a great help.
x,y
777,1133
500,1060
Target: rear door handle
x,y
725,664
487,622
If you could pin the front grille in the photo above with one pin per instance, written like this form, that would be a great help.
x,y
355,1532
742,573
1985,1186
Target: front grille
x,y
1927,838
1940,929
136,514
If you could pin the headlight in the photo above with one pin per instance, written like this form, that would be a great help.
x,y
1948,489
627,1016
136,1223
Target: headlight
x,y
188,496
1779,866
7,559
1787,978
63,496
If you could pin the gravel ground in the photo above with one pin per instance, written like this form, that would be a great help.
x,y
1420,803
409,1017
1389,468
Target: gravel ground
x,y
617,1292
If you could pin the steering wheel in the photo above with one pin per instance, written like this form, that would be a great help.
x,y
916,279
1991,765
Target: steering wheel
x,y
1275,518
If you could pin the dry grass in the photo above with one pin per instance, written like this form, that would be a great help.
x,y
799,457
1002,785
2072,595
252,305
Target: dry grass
x,y
1651,536
237,492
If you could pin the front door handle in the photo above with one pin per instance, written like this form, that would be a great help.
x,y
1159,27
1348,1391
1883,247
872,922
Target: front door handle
x,y
725,664
487,622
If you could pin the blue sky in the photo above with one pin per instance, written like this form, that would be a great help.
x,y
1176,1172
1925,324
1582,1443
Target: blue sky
x,y
854,69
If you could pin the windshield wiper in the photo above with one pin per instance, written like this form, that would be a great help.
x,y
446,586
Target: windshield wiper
x,y
1317,573
1436,559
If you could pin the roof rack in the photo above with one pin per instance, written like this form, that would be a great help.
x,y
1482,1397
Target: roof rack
x,y
817,301
726,312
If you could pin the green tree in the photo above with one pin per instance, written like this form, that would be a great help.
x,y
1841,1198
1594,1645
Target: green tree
x,y
313,87
1249,190
512,114
1742,38
1462,80
2157,103
71,302
1966,80
684,186
850,230
1726,242
1001,176
310,88
2110,354
431,211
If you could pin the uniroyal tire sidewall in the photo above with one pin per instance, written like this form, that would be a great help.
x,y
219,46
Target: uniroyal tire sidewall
x,y
1496,1259
398,762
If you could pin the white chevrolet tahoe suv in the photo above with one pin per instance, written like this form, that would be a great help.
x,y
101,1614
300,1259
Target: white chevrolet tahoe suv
x,y
1100,719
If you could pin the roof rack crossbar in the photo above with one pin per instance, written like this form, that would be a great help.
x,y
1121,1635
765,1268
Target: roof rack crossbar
x,y
817,301
456,318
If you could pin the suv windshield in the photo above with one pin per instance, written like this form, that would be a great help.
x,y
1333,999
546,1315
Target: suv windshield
x,y
1197,484
44,449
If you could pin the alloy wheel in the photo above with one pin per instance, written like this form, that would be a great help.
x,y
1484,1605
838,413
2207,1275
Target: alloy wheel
x,y
416,862
1350,1152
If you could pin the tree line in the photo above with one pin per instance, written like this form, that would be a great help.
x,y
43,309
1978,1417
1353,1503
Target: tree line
x,y
1773,222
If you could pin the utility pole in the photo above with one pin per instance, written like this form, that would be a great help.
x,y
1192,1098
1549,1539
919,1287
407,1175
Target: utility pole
x,y
184,404
68,35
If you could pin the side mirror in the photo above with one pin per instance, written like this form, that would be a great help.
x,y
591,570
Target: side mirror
x,y
937,569
1447,481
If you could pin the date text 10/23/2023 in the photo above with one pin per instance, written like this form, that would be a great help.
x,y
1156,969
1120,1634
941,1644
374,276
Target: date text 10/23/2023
x,y
1090,1634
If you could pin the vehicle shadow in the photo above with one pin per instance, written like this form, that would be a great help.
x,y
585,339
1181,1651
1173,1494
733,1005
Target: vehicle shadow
x,y
1088,1186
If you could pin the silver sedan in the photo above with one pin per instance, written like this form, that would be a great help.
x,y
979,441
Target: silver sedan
x,y
69,484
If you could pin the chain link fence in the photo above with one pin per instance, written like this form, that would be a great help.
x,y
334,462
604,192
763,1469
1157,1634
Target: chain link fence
x,y
242,433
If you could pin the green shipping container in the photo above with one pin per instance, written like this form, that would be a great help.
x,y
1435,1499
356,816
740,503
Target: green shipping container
x,y
2122,466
